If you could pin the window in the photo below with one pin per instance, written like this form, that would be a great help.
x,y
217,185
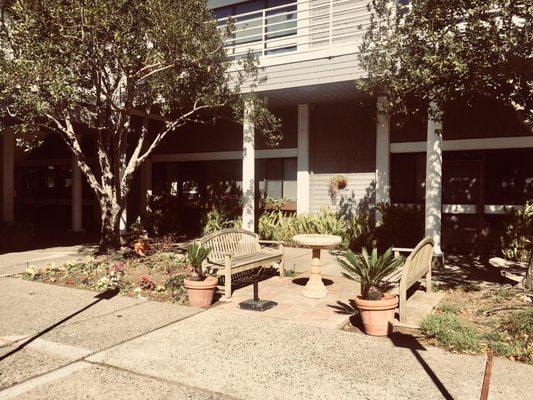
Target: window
x,y
279,23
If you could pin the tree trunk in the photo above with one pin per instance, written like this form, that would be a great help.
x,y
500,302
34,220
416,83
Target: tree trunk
x,y
528,279
110,229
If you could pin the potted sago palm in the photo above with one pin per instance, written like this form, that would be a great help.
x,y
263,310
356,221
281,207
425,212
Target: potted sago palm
x,y
377,308
200,286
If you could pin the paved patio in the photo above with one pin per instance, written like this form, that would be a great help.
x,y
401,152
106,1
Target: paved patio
x,y
62,343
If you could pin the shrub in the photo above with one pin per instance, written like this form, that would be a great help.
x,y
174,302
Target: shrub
x,y
360,232
216,220
452,333
504,345
163,216
401,226
174,284
516,242
16,236
146,283
279,225
519,324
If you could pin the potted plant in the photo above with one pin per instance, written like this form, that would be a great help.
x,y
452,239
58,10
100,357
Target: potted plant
x,y
338,182
377,308
200,287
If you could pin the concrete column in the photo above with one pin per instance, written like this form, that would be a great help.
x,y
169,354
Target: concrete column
x,y
76,198
8,171
434,182
303,176
248,171
382,157
146,185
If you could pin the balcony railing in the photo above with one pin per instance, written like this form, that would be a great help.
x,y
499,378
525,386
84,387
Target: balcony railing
x,y
301,26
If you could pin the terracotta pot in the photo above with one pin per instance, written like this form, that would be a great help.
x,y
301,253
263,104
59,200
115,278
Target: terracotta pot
x,y
377,315
201,292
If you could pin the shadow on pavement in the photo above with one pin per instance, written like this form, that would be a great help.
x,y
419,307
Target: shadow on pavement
x,y
411,343
108,294
398,339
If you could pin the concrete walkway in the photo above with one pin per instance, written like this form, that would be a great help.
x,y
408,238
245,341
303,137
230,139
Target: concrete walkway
x,y
63,343
17,262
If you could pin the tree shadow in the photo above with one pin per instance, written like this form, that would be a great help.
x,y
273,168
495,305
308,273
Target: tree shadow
x,y
108,294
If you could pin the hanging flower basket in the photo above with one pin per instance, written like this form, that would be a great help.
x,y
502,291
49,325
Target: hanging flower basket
x,y
338,182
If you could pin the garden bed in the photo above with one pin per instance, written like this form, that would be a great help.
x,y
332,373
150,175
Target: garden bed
x,y
473,318
158,276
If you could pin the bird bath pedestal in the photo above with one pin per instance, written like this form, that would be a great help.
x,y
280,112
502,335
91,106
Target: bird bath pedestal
x,y
315,288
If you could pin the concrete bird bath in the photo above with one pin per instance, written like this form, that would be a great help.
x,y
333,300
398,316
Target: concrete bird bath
x,y
315,288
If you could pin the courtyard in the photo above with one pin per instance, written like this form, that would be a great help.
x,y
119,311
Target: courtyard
x,y
59,342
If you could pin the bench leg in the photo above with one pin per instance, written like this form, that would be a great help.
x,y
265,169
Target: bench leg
x,y
282,262
403,299
429,284
227,277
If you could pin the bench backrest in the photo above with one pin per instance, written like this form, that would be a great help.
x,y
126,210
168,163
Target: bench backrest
x,y
417,264
234,242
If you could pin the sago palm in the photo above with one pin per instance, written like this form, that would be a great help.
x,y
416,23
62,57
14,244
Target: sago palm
x,y
196,254
370,269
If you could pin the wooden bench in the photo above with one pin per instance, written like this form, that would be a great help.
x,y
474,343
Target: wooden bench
x,y
417,265
237,250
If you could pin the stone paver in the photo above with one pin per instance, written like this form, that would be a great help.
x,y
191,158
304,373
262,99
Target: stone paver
x,y
292,305
252,357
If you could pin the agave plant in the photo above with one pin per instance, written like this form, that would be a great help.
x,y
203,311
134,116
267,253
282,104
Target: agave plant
x,y
196,254
370,269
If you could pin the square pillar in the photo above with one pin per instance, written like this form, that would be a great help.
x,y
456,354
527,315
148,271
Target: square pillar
x,y
303,176
76,198
8,172
382,157
248,170
433,215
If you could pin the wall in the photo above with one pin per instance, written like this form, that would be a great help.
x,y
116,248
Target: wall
x,y
343,142
484,118
224,135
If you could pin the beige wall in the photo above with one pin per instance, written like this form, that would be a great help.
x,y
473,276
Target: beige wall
x,y
343,142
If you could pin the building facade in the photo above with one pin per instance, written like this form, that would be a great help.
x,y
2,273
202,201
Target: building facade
x,y
464,180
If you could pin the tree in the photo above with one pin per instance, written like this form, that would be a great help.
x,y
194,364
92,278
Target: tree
x,y
84,67
426,51
432,51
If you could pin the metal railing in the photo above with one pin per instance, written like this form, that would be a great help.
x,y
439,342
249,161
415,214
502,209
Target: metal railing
x,y
301,26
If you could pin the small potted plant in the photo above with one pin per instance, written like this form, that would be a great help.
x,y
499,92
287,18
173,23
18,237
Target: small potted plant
x,y
338,182
376,307
200,287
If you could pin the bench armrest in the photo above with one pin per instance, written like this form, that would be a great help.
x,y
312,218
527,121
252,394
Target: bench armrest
x,y
402,249
271,242
398,250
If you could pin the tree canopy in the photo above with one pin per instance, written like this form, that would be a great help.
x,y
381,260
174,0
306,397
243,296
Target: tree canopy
x,y
85,67
422,51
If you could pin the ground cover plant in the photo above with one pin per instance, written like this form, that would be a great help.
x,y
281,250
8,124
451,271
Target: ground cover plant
x,y
157,276
473,319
